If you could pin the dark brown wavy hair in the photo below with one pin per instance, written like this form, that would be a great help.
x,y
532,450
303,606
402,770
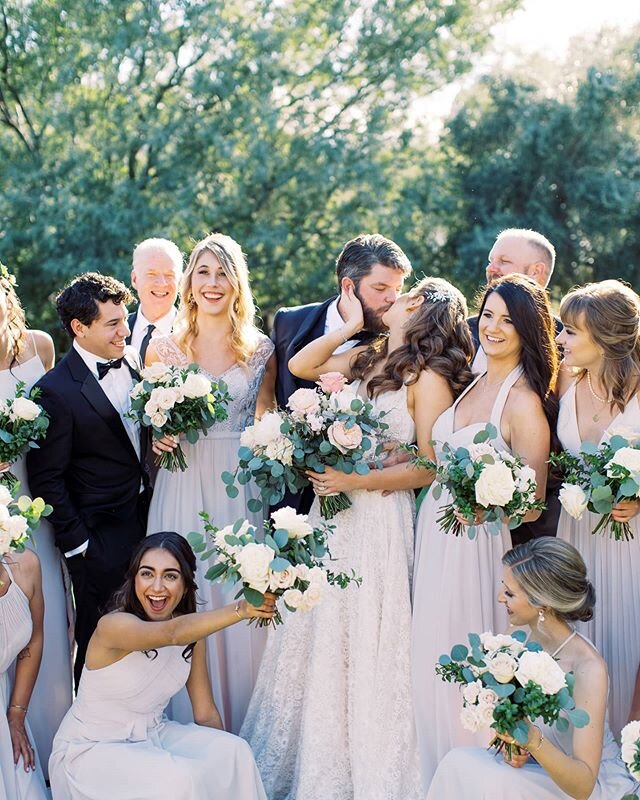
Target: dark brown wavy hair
x,y
530,313
436,337
610,311
125,598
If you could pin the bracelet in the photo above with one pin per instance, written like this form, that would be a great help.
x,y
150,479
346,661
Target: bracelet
x,y
237,611
15,705
539,745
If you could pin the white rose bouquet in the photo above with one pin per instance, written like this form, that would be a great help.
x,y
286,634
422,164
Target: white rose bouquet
x,y
22,423
598,478
486,485
508,682
290,562
327,426
177,400
19,517
630,746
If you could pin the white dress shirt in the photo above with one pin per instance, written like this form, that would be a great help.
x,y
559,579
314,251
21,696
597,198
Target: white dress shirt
x,y
116,385
163,327
333,321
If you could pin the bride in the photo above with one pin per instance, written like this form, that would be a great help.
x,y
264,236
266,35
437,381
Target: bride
x,y
331,714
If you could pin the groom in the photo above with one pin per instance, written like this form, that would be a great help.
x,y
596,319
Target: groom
x,y
376,268
90,466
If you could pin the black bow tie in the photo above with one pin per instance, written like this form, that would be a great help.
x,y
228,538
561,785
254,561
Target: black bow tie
x,y
116,363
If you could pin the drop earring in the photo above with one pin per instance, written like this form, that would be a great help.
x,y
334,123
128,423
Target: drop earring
x,y
541,616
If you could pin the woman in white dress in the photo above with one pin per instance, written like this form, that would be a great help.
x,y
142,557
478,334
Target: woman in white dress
x,y
115,741
215,329
456,578
331,714
600,396
21,614
25,356
545,588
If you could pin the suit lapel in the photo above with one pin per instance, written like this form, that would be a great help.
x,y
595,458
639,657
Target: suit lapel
x,y
131,321
95,396
312,327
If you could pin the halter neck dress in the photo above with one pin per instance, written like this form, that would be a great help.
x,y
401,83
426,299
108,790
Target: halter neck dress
x,y
456,583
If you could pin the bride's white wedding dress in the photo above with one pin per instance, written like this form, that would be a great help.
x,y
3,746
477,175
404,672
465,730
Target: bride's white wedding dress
x,y
331,715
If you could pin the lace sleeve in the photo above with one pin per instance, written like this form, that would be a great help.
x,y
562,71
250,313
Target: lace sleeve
x,y
258,361
169,352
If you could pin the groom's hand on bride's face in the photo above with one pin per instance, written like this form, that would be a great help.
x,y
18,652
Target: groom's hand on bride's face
x,y
164,445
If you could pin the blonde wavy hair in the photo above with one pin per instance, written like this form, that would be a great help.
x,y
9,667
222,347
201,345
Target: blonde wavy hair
x,y
244,333
16,322
610,311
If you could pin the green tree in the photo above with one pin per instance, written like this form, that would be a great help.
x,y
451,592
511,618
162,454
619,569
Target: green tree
x,y
279,123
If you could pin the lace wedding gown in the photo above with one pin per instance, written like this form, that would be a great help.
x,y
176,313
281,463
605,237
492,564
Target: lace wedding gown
x,y
331,715
234,654
456,582
15,632
52,693
614,569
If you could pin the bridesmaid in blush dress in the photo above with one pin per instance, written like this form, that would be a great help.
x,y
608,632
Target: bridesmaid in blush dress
x,y
545,588
600,392
25,356
215,329
456,579
115,742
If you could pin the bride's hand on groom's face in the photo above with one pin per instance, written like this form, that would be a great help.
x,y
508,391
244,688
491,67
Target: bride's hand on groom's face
x,y
332,481
351,310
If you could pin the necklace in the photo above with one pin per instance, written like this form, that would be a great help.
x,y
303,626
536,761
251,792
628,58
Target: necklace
x,y
597,397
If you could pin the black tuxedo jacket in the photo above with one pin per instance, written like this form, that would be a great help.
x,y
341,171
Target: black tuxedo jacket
x,y
86,467
293,328
131,321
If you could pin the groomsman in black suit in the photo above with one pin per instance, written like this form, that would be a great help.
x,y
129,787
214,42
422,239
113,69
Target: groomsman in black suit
x,y
155,275
90,465
375,267
528,253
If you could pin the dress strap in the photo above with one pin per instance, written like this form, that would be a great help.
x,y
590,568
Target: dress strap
x,y
469,388
566,641
501,399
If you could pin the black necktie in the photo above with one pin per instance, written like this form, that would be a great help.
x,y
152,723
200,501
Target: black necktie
x,y
145,342
106,366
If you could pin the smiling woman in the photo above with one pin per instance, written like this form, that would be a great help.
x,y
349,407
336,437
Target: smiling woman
x,y
143,651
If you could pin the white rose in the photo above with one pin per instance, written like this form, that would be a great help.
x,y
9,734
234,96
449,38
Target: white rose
x,y
318,577
469,719
219,541
5,495
162,398
253,565
341,401
476,451
487,697
471,691
502,666
525,477
4,516
303,572
280,450
150,408
158,419
495,486
5,541
293,598
540,668
631,733
315,422
247,437
573,499
23,408
492,642
627,457
156,372
16,526
137,390
311,597
282,580
303,402
485,714
196,385
267,428
295,524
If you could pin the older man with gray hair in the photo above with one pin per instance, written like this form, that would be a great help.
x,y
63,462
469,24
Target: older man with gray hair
x,y
155,276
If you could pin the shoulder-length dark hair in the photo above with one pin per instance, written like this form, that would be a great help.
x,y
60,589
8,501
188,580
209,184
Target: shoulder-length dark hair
x,y
125,598
436,337
530,313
